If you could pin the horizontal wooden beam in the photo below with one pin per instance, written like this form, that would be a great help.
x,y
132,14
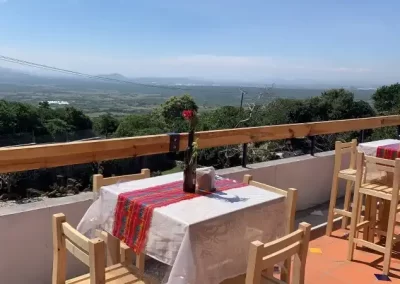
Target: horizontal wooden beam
x,y
61,154
215,138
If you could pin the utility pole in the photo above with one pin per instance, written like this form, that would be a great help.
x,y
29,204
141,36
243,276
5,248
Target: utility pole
x,y
241,99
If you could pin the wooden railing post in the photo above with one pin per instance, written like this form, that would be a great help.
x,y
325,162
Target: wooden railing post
x,y
244,155
174,139
361,140
312,147
398,132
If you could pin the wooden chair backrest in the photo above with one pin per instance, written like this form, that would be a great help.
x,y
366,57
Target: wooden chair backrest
x,y
375,163
99,180
265,256
290,199
290,212
378,164
89,251
343,148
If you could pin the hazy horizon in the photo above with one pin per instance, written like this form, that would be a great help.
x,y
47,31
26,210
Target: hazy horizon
x,y
199,81
333,42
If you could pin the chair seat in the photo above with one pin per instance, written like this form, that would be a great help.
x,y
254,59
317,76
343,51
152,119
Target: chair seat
x,y
115,274
371,188
348,171
349,174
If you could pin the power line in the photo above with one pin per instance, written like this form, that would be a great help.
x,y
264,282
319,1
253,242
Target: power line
x,y
96,77
75,73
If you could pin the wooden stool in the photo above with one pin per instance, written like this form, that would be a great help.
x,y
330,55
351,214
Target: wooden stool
x,y
349,175
375,191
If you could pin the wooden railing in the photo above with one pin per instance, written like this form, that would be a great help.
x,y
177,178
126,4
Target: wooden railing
x,y
23,158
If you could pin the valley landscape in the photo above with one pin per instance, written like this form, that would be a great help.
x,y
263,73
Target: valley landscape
x,y
96,96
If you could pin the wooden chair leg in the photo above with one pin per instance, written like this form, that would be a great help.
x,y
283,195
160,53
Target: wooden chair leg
x,y
386,212
332,204
285,270
367,215
381,209
112,247
360,217
389,238
140,261
126,254
372,218
347,199
353,224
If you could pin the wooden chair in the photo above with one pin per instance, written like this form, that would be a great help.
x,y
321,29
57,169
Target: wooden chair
x,y
91,252
290,212
119,252
112,243
349,175
263,257
375,191
99,180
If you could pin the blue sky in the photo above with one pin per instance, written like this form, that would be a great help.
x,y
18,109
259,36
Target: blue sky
x,y
255,40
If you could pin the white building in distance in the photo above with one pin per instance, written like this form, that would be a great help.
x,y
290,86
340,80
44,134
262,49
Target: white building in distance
x,y
58,102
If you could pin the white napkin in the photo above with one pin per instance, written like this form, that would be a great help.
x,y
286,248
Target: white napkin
x,y
207,171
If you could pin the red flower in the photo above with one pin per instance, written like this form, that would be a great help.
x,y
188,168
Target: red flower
x,y
188,114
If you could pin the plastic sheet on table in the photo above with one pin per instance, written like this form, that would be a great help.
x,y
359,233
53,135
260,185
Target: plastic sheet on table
x,y
100,214
374,175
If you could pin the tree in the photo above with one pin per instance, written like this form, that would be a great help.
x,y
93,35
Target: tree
x,y
8,119
57,128
75,118
282,111
172,109
139,124
362,109
106,124
27,118
335,104
44,104
220,118
387,98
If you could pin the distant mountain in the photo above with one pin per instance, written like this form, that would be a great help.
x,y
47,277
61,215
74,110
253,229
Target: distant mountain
x,y
19,77
174,81
116,76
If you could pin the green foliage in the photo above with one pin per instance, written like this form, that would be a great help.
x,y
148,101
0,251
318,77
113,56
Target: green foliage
x,y
75,118
220,118
387,98
106,124
24,123
57,127
138,125
174,106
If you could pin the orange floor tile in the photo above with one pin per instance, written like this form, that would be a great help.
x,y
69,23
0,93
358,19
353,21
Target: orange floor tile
x,y
331,265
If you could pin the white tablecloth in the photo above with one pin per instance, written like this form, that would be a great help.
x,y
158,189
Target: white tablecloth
x,y
369,148
205,239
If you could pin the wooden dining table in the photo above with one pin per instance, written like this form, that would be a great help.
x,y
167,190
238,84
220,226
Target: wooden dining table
x,y
203,238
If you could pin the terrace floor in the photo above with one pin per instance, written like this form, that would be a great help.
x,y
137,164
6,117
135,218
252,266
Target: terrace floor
x,y
330,265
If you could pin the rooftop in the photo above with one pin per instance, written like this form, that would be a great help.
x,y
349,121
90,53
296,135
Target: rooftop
x,y
330,265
